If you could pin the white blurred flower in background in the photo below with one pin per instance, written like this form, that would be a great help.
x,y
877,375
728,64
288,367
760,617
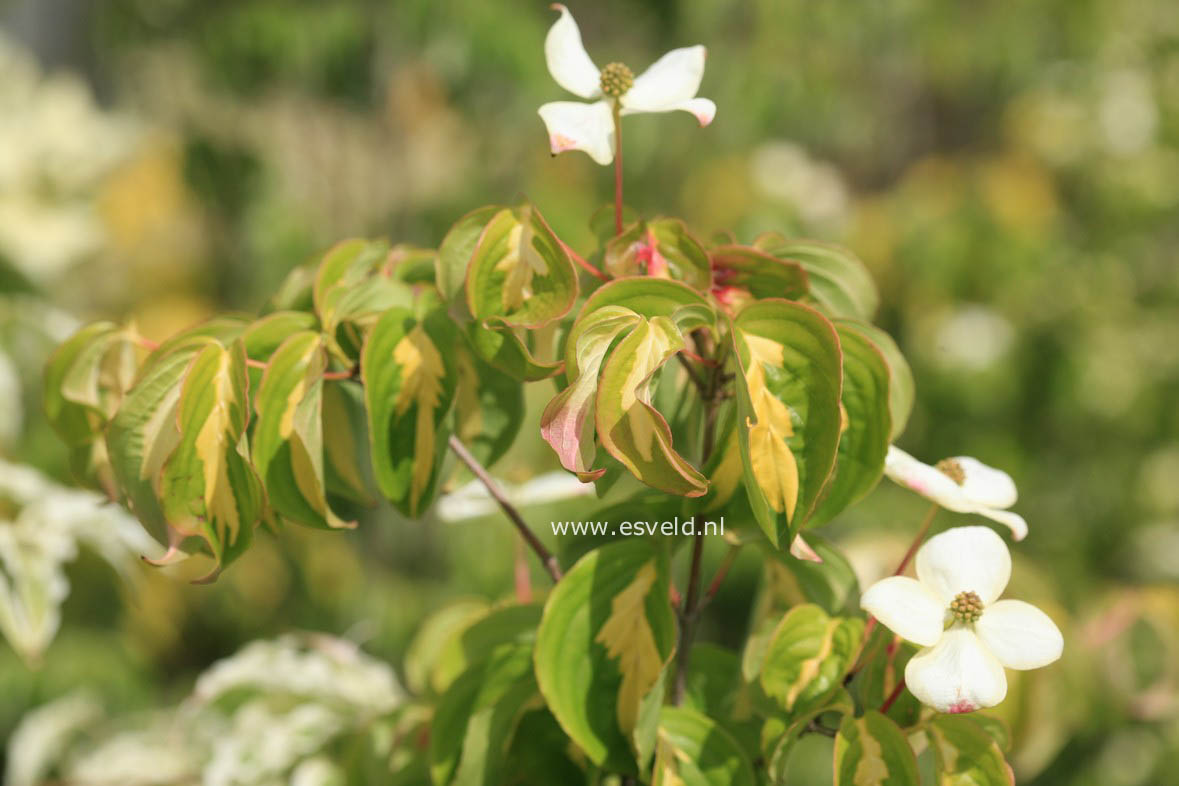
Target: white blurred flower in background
x,y
815,190
56,147
41,529
263,716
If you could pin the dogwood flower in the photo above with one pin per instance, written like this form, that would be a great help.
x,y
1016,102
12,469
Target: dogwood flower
x,y
961,484
669,84
952,609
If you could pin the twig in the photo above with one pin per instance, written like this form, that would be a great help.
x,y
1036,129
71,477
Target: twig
x,y
814,727
351,373
692,375
690,611
688,617
546,557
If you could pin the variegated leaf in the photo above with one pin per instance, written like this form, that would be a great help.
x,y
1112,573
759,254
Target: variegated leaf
x,y
519,274
567,423
410,378
693,750
288,435
208,486
789,380
873,751
607,699
628,426
808,655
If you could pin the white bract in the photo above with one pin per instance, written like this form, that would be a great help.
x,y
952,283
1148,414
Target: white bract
x,y
961,484
669,84
952,609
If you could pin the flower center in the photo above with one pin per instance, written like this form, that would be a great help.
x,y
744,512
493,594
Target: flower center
x,y
966,607
617,79
952,469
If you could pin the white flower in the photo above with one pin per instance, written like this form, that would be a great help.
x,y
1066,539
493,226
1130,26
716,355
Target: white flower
x,y
669,84
961,484
952,609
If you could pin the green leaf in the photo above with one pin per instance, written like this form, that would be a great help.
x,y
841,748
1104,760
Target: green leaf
x,y
519,274
808,655
650,297
660,248
354,284
208,487
867,431
224,329
456,250
264,336
744,273
488,407
693,750
966,754
345,442
712,678
421,657
873,751
831,583
789,379
504,349
288,436
839,283
900,378
491,688
85,380
409,385
472,643
607,633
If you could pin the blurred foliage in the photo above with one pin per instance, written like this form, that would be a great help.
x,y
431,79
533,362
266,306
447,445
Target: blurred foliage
x,y
1010,173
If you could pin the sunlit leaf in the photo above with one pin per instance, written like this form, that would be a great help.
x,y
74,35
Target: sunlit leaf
x,y
808,655
208,486
788,382
607,633
288,436
456,249
567,423
627,425
900,378
873,751
867,429
519,275
693,750
966,754
409,385
839,283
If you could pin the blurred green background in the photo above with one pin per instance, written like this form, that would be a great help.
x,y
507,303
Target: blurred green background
x,y
1008,171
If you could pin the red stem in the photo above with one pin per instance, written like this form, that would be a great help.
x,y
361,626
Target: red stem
x,y
917,541
892,697
339,374
617,169
580,260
